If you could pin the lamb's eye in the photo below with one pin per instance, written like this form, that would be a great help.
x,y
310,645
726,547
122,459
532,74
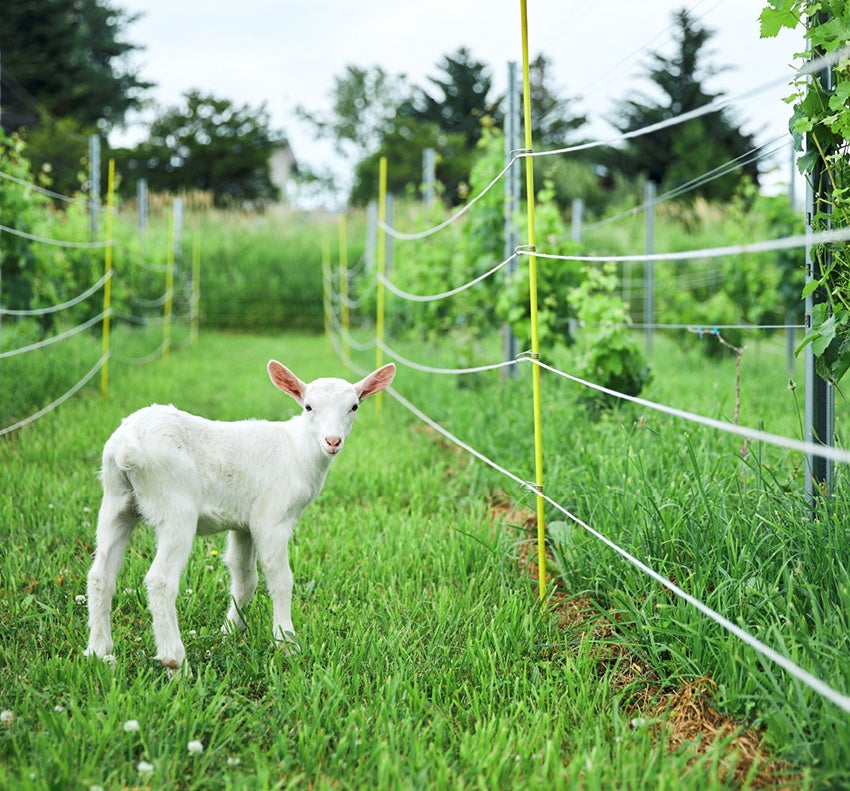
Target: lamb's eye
x,y
308,408
354,408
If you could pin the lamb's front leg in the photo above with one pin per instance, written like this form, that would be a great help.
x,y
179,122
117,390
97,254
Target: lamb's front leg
x,y
273,549
241,560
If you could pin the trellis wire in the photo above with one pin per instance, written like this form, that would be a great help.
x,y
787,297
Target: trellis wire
x,y
61,400
813,682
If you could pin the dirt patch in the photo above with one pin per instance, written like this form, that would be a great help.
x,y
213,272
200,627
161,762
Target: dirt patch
x,y
683,718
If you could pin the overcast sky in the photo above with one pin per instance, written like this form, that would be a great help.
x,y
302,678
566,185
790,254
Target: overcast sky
x,y
285,53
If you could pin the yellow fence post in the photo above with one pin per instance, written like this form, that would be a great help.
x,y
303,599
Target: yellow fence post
x,y
327,289
196,286
169,290
107,286
535,331
343,280
382,265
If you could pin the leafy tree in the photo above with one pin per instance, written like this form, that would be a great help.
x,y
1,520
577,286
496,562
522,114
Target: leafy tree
x,y
675,155
402,145
364,104
66,59
208,144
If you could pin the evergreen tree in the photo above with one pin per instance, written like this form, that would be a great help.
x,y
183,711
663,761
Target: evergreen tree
x,y
673,156
464,98
65,59
551,121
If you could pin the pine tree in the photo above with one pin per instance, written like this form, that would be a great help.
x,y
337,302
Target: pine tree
x,y
65,59
673,156
464,101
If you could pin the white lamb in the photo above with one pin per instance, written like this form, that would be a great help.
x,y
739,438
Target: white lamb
x,y
186,476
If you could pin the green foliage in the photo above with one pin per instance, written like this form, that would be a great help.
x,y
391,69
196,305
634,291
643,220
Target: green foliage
x,y
67,60
821,127
555,281
208,144
606,351
670,157
463,100
264,273
424,663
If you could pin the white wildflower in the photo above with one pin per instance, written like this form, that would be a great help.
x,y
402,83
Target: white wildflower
x,y
6,717
144,767
131,726
195,748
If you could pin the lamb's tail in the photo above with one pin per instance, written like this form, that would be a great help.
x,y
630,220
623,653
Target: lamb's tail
x,y
120,455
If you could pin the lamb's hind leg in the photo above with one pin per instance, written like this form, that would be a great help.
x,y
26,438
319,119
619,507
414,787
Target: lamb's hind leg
x,y
241,560
115,523
174,543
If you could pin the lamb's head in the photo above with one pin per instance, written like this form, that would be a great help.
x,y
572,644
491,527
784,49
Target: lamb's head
x,y
330,404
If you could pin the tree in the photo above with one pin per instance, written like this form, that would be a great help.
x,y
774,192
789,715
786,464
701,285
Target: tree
x,y
66,59
464,101
364,103
551,124
208,144
672,156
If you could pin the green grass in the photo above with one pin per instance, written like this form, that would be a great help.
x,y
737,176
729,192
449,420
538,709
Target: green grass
x,y
426,661
735,532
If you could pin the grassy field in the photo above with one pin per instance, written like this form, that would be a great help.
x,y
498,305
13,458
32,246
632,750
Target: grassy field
x,y
426,660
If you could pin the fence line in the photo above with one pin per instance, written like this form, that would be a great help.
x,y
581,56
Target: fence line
x,y
694,183
813,682
767,246
43,190
54,242
103,283
56,338
452,292
61,400
62,306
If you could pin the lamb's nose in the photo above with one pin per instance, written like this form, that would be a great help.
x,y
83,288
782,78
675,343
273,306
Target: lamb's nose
x,y
333,442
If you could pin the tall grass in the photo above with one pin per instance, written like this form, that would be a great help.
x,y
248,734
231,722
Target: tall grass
x,y
264,273
426,660
733,530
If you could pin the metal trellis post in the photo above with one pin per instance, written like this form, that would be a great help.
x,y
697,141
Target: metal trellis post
x,y
820,395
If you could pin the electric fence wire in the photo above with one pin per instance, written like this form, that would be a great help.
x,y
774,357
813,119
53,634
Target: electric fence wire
x,y
62,306
755,435
445,294
55,242
769,245
56,338
61,400
823,689
753,155
718,104
44,191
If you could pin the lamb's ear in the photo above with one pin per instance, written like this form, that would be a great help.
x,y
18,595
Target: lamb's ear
x,y
377,380
287,381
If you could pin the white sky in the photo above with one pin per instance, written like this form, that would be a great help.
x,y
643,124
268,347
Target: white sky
x,y
285,53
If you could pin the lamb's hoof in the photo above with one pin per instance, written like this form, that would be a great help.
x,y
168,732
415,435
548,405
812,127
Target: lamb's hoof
x,y
233,627
176,669
288,644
